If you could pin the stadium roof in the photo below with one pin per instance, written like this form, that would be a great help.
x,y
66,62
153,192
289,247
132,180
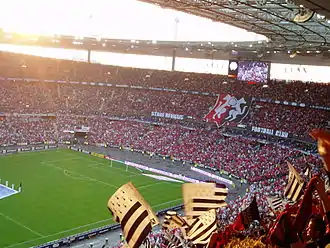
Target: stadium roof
x,y
272,18
288,42
320,6
258,50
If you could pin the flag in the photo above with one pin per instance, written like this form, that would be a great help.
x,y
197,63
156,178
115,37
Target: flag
x,y
323,146
308,173
305,208
203,227
201,197
217,240
185,228
245,218
172,221
293,221
146,243
135,216
276,203
228,109
221,238
281,233
294,188
173,241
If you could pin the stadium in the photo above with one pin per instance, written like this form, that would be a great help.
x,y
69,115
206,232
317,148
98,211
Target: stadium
x,y
184,123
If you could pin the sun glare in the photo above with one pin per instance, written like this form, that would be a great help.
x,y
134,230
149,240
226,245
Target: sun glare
x,y
119,19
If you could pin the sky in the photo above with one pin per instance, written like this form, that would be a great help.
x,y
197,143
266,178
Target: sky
x,y
117,19
129,19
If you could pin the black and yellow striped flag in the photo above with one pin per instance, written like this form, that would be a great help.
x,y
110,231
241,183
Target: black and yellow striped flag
x,y
203,227
308,173
276,203
294,189
173,241
132,212
172,220
201,197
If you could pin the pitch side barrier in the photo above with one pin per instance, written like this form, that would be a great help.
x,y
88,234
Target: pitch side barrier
x,y
27,149
99,155
165,173
95,232
161,172
20,144
138,166
221,179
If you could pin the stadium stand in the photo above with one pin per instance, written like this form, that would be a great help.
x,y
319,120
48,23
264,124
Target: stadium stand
x,y
39,111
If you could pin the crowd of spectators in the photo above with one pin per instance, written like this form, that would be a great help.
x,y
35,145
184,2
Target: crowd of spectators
x,y
38,97
41,97
91,100
21,130
17,65
100,108
295,120
261,164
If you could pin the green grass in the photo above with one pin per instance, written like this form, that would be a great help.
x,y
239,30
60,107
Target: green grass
x,y
66,192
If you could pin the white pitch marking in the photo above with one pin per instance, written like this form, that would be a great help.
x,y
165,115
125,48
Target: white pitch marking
x,y
20,224
92,179
107,165
69,230
82,175
107,170
59,160
164,203
77,228
151,184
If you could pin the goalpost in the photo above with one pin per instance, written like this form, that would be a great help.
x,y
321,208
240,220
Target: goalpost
x,y
126,167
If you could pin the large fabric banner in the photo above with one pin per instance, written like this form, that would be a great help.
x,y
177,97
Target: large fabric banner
x,y
271,132
229,109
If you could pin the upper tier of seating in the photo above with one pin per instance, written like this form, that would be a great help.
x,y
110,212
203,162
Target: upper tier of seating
x,y
88,100
16,65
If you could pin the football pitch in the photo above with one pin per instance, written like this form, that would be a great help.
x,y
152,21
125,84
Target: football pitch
x,y
66,192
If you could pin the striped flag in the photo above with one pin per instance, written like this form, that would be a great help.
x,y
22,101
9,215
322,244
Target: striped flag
x,y
146,243
294,188
327,184
185,228
173,241
172,221
276,203
203,227
308,173
133,213
201,197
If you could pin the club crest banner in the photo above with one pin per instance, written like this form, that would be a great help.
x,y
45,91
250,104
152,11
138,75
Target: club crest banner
x,y
229,109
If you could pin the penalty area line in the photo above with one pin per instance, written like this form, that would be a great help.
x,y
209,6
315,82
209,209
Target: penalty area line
x,y
81,175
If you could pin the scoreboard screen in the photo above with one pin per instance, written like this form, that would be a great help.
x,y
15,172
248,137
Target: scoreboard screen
x,y
253,71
